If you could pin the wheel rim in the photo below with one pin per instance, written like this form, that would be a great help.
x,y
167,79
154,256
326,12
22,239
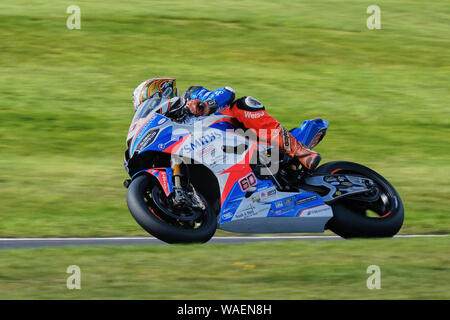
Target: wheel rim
x,y
161,207
383,207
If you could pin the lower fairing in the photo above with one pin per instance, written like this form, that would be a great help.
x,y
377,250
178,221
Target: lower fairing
x,y
278,224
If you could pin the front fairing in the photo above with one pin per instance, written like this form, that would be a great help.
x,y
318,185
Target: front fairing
x,y
156,128
149,129
144,112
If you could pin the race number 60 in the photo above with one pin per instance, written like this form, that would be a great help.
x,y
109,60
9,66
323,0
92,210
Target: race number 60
x,y
248,181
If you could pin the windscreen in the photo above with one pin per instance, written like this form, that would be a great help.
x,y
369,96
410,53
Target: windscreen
x,y
149,105
144,110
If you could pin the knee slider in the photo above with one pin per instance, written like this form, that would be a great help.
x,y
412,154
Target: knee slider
x,y
249,104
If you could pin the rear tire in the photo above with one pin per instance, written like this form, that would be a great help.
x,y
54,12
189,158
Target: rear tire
x,y
146,214
349,216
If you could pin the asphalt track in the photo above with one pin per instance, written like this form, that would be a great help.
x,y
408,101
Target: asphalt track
x,y
21,243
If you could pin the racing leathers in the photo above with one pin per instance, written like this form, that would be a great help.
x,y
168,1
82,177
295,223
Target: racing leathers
x,y
252,115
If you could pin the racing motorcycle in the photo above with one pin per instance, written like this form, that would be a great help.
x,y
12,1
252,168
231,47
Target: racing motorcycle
x,y
189,178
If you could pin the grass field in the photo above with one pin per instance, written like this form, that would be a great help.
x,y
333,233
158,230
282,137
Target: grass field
x,y
65,108
65,95
410,269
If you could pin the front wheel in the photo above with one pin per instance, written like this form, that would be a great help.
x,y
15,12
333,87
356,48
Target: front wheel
x,y
357,218
153,211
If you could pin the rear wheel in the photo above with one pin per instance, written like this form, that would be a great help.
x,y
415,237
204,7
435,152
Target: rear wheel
x,y
353,217
155,213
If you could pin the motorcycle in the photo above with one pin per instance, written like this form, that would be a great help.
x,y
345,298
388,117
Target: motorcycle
x,y
189,179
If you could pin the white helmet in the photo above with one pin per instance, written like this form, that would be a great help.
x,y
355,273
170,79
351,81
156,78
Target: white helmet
x,y
164,87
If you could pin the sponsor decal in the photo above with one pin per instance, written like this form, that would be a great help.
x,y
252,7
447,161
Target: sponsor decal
x,y
319,211
300,201
208,150
254,115
163,180
288,201
281,211
202,141
227,215
147,139
267,192
256,198
278,204
246,213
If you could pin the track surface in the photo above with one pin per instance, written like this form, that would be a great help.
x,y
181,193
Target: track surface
x,y
19,243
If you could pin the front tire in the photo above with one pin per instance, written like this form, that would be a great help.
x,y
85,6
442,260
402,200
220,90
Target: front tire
x,y
151,218
350,218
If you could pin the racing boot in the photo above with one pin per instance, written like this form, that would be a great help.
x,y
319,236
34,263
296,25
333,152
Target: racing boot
x,y
296,149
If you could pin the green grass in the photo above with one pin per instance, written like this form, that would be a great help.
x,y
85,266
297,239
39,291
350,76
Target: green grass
x,y
410,269
65,95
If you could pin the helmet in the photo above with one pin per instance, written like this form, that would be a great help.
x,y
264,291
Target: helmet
x,y
164,87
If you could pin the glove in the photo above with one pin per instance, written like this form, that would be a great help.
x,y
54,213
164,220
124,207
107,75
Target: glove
x,y
198,108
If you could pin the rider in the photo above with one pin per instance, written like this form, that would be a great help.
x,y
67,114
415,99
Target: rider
x,y
247,110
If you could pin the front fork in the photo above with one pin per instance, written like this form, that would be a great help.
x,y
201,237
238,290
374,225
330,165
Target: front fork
x,y
175,163
182,197
179,195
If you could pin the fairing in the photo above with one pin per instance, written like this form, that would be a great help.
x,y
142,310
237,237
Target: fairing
x,y
248,204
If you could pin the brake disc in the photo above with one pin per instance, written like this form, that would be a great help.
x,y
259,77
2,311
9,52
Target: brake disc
x,y
182,214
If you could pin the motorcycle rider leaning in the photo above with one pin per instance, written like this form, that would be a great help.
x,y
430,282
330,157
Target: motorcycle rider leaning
x,y
247,110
